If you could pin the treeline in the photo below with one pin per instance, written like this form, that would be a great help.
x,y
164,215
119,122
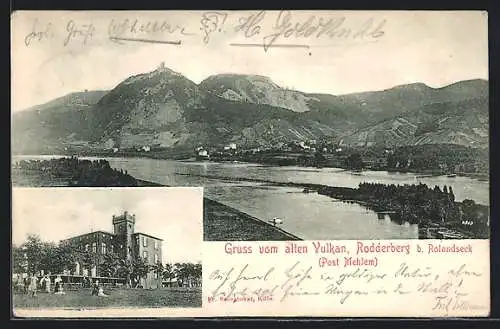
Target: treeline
x,y
446,157
35,255
418,204
436,158
79,172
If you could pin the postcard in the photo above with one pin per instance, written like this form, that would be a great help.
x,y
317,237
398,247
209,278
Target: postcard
x,y
250,163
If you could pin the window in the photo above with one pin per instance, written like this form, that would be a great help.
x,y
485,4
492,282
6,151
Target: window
x,y
103,248
94,247
144,241
156,258
87,246
156,244
145,254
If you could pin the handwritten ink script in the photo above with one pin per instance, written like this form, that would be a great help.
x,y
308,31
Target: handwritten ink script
x,y
250,283
39,33
261,29
286,27
345,274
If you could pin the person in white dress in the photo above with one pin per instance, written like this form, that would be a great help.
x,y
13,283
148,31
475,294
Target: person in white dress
x,y
47,282
33,285
101,292
58,286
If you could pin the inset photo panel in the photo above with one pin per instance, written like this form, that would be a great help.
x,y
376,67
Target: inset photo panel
x,y
106,248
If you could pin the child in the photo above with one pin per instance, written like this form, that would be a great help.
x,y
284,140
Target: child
x,y
101,292
27,281
20,284
59,290
95,288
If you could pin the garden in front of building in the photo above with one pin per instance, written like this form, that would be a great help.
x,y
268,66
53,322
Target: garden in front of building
x,y
116,298
41,280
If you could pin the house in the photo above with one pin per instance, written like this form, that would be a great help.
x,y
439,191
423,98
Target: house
x,y
124,242
255,150
202,155
304,146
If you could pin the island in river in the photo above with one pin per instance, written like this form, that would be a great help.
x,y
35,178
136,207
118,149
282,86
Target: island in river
x,y
435,211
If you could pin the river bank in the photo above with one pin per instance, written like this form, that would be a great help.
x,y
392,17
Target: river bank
x,y
220,222
399,203
280,159
224,223
434,210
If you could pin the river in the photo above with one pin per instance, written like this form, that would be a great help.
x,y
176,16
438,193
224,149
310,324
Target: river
x,y
309,216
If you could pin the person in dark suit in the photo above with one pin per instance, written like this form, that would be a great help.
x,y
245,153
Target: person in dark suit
x,y
95,288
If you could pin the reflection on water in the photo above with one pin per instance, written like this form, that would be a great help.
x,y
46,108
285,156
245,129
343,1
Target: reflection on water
x,y
310,216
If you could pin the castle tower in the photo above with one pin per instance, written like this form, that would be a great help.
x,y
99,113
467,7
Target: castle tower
x,y
123,228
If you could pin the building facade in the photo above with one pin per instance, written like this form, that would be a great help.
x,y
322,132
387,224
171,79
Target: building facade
x,y
148,248
124,242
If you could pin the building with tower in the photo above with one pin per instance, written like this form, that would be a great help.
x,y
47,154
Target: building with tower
x,y
127,244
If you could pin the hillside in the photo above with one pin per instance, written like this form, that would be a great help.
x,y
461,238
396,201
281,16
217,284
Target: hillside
x,y
396,116
59,121
457,122
82,99
147,109
255,89
163,108
253,124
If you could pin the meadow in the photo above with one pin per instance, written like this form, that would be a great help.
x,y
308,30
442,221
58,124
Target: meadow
x,y
117,298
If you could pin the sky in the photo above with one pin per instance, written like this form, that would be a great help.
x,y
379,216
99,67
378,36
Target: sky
x,y
172,214
436,48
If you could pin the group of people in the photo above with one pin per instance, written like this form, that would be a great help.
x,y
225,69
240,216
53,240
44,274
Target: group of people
x,y
30,284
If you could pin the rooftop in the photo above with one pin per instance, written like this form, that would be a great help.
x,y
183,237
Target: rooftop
x,y
85,234
125,216
148,235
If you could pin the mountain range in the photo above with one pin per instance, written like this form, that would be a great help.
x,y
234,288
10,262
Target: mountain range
x,y
163,108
